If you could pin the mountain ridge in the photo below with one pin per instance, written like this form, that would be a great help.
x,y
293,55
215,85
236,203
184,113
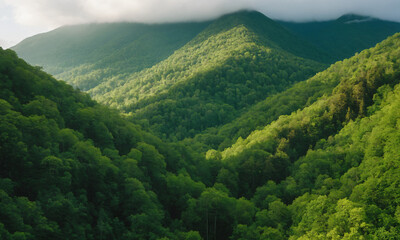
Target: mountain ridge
x,y
263,27
85,55
223,64
350,100
144,91
71,168
343,37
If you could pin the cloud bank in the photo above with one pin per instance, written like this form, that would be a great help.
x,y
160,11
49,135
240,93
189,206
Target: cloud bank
x,y
53,13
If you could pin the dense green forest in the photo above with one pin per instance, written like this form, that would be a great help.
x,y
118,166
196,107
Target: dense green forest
x,y
86,55
230,66
264,112
207,82
343,37
71,168
333,163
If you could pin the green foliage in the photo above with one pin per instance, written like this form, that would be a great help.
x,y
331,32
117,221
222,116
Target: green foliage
x,y
352,174
87,55
298,96
209,81
73,169
178,80
343,37
268,153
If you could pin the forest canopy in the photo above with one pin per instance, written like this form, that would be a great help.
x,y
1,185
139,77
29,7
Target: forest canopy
x,y
325,165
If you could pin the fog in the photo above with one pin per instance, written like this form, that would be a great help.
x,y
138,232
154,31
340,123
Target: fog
x,y
53,13
22,18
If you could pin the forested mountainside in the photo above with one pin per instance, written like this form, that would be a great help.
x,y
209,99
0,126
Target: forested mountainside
x,y
300,95
74,169
343,37
86,55
206,83
188,80
236,61
334,162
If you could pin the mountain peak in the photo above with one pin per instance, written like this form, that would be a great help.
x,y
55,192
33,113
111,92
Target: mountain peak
x,y
354,18
247,17
266,31
244,14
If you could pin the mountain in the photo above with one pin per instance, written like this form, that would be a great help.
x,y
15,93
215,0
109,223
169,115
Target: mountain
x,y
359,78
187,79
343,37
71,168
86,55
268,31
298,96
328,170
301,94
236,61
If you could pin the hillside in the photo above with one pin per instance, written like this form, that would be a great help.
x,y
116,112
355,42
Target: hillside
x,y
201,80
226,68
359,78
268,31
301,94
86,55
334,163
343,37
298,96
71,168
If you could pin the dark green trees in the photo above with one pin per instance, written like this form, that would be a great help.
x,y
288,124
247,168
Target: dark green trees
x,y
73,169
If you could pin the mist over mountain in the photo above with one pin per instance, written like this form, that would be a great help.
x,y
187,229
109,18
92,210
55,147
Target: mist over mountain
x,y
237,128
236,61
86,55
343,37
210,71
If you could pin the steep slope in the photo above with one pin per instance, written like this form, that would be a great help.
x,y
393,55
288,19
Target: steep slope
x,y
353,35
328,171
298,96
343,37
355,177
86,55
268,31
227,67
346,187
301,94
290,137
73,169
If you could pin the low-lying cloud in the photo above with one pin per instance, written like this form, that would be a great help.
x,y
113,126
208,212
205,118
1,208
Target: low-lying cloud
x,y
53,13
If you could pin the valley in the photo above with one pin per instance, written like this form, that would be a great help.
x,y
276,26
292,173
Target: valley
x,y
241,127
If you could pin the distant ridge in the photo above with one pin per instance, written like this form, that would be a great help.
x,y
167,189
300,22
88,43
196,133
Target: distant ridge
x,y
259,146
268,31
180,79
86,55
354,18
236,61
343,37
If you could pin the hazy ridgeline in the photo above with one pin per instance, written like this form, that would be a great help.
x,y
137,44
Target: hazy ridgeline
x,y
228,129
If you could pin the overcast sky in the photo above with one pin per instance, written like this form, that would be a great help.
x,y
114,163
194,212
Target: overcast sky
x,y
23,18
